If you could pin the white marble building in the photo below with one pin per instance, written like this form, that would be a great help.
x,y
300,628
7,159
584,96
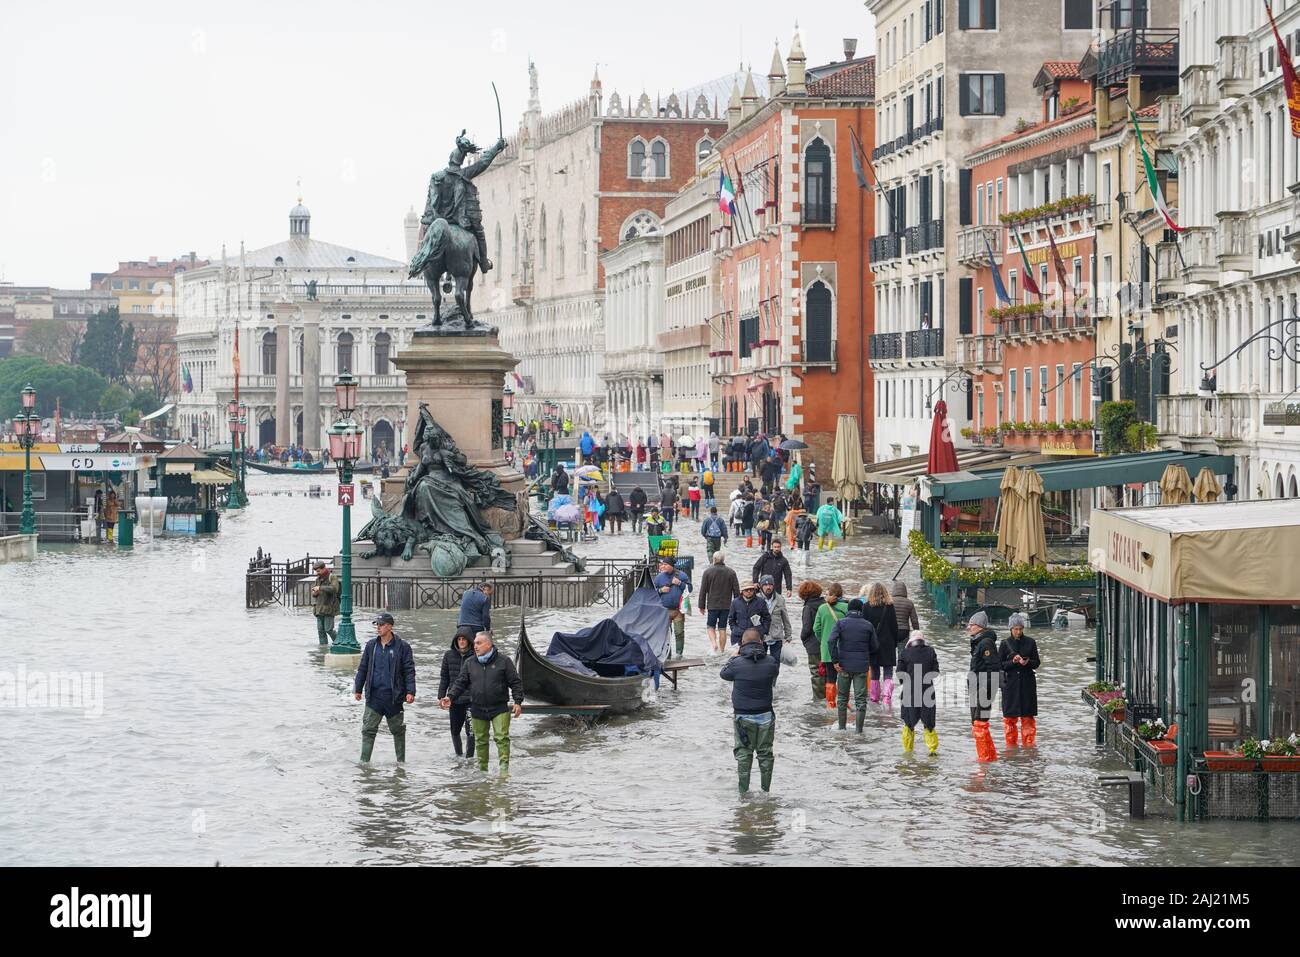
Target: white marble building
x,y
633,371
291,349
1239,197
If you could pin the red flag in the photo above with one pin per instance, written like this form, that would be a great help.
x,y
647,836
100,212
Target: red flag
x,y
1288,75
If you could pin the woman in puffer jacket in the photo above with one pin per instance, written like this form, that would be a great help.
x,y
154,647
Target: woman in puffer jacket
x,y
904,611
810,593
879,611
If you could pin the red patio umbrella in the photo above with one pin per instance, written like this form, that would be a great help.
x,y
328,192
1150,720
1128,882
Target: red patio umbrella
x,y
943,457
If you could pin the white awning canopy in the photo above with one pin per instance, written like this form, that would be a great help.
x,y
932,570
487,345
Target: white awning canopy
x,y
158,412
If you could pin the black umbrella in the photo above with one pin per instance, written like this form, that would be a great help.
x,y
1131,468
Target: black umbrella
x,y
793,445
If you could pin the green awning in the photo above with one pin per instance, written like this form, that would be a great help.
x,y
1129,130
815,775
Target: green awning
x,y
1061,476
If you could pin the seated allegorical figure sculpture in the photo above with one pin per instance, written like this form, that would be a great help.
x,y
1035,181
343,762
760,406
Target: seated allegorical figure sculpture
x,y
444,499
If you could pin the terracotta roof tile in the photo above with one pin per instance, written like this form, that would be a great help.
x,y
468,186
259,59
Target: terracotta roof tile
x,y
857,78
1063,69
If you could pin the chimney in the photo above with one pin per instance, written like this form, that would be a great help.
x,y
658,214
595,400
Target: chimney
x,y
850,47
153,260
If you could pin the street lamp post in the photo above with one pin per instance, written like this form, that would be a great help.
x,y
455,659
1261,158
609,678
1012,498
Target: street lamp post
x,y
28,426
235,495
508,422
243,453
345,449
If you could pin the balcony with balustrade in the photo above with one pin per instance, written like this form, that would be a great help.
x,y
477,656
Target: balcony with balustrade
x,y
885,249
1233,241
924,237
923,344
1169,272
1145,52
1234,68
722,366
1225,418
1170,128
917,347
974,243
980,354
1199,91
1200,255
885,347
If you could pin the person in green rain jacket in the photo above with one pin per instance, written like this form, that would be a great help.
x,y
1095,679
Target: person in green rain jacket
x,y
828,525
827,615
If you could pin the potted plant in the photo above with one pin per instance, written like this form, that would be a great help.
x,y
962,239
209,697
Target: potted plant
x,y
1100,687
967,432
1244,758
1115,708
1152,736
1278,754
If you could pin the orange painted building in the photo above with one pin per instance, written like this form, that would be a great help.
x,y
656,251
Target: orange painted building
x,y
794,282
1030,358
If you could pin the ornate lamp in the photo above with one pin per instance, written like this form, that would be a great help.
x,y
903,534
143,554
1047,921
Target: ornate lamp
x,y
345,394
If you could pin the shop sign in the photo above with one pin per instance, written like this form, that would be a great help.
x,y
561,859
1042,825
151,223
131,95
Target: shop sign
x,y
95,462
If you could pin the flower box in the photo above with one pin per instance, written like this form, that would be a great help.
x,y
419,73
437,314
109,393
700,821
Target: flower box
x,y
1229,761
1281,762
1164,753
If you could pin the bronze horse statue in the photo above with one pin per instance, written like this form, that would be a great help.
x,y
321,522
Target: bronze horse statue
x,y
451,260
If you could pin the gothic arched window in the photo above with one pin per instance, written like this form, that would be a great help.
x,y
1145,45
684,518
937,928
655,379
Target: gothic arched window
x,y
383,345
496,247
817,182
702,150
636,158
559,245
582,238
514,249
541,240
344,353
818,334
659,154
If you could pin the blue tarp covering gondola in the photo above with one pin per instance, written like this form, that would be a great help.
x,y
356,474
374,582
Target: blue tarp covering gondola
x,y
633,641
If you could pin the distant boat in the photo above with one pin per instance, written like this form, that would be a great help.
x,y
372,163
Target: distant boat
x,y
275,468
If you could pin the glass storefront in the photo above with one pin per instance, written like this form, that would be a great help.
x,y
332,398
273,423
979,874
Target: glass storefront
x,y
1284,670
1233,673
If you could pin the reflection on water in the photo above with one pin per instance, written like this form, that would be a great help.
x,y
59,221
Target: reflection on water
x,y
225,736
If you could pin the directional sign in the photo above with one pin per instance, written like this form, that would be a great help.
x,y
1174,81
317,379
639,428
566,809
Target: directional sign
x,y
346,494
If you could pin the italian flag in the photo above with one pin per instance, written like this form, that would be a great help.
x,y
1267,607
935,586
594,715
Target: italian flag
x,y
726,195
1152,183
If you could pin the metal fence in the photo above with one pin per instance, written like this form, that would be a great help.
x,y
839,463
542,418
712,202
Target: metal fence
x,y
605,582
50,526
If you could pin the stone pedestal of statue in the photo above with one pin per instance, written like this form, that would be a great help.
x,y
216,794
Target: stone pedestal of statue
x,y
459,375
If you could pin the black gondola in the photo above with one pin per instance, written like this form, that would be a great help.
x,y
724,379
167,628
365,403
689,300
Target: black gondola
x,y
275,468
636,635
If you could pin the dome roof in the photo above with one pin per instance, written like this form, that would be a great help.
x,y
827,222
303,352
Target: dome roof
x,y
300,210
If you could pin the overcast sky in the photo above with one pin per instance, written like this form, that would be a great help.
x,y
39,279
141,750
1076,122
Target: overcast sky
x,y
132,129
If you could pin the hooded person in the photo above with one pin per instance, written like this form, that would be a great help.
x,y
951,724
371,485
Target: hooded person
x,y
985,668
854,648
828,525
904,611
918,666
453,660
1019,656
810,593
752,673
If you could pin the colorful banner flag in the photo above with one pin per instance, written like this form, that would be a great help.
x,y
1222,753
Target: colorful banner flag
x,y
1031,287
519,380
1289,76
1058,261
187,381
1153,184
857,162
998,287
727,195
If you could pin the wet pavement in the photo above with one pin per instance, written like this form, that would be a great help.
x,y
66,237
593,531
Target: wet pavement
x,y
221,735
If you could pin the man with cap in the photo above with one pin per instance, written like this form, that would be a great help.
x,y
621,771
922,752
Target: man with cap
x,y
491,680
671,585
748,611
752,673
387,673
325,602
1019,656
778,629
853,648
985,667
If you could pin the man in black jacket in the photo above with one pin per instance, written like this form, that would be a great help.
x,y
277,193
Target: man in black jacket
x,y
387,673
853,646
985,668
718,587
773,562
668,504
636,502
491,680
748,611
752,673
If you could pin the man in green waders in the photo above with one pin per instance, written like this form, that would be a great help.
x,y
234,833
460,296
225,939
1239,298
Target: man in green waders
x,y
491,680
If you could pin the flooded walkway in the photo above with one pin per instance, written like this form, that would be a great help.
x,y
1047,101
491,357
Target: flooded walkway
x,y
224,737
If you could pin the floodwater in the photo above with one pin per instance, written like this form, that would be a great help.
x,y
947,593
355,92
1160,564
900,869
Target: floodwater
x,y
221,735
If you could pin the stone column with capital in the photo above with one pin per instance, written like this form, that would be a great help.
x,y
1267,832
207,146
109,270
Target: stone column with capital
x,y
461,377
284,312
311,407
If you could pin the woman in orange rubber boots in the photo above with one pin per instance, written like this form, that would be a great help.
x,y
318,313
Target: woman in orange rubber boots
x,y
828,614
1019,655
985,668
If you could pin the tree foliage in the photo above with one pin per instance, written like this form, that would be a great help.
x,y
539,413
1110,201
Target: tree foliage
x,y
54,340
77,388
108,346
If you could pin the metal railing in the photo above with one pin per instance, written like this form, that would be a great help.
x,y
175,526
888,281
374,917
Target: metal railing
x,y
1137,51
606,581
50,526
924,343
924,236
887,247
886,345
